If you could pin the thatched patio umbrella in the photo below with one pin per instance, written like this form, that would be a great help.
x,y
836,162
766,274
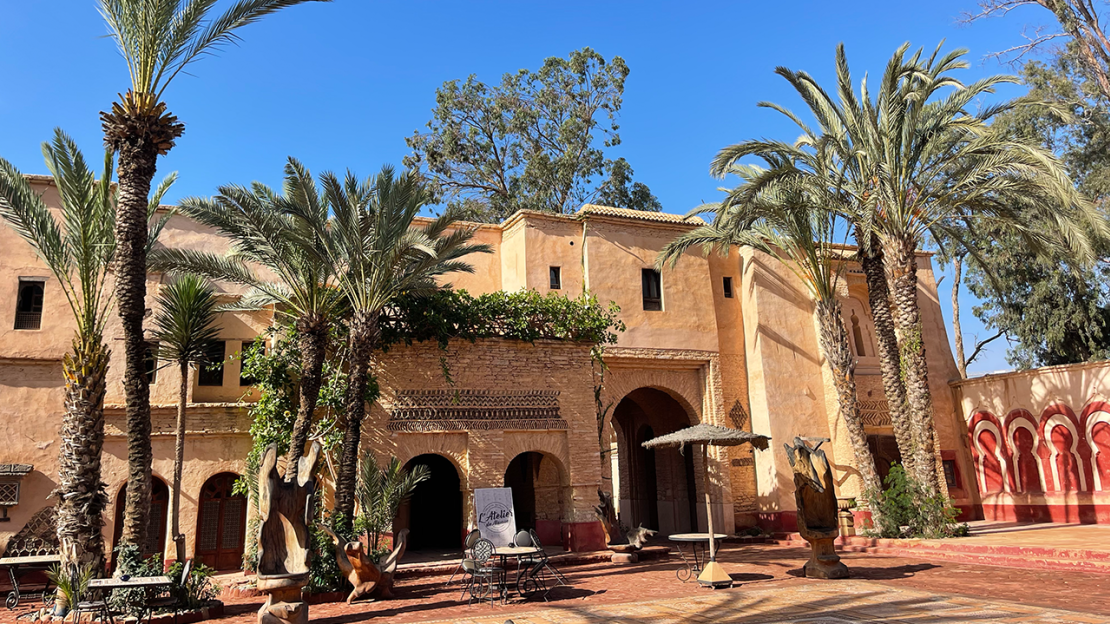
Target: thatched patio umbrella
x,y
713,574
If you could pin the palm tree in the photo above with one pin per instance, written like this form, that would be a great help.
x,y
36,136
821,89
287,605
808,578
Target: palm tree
x,y
913,163
79,248
380,254
787,218
186,331
382,491
281,234
158,39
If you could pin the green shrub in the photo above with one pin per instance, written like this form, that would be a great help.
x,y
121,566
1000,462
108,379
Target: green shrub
x,y
198,590
129,561
905,510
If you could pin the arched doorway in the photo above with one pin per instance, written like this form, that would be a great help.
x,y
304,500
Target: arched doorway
x,y
156,530
221,523
537,483
434,514
657,487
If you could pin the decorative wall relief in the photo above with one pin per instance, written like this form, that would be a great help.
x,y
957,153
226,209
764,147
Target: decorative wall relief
x,y
461,410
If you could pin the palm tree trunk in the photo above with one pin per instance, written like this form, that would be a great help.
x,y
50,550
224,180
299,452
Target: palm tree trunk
x,y
907,319
137,162
80,491
834,346
363,338
313,342
179,462
886,340
957,331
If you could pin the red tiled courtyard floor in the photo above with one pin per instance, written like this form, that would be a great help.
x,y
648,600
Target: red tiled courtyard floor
x,y
757,567
882,589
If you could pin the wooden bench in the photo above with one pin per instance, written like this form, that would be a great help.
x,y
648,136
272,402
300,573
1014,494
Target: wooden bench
x,y
18,567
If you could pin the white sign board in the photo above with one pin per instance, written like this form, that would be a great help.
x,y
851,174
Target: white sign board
x,y
496,519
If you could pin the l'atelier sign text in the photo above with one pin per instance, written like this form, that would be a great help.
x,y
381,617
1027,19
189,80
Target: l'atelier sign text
x,y
497,515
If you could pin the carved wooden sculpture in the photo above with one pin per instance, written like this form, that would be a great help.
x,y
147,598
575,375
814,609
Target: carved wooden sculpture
x,y
364,575
816,499
633,541
285,510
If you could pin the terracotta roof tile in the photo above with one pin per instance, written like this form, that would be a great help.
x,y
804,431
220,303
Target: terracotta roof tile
x,y
627,213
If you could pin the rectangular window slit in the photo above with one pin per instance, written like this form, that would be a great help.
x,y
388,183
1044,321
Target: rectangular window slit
x,y
651,283
28,304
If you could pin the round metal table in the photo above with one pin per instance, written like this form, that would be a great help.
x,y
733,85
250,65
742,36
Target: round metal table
x,y
693,565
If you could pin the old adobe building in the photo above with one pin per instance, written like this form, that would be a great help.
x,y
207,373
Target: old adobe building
x,y
728,341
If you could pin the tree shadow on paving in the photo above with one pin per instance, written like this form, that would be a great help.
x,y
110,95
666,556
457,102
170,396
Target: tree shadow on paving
x,y
855,607
749,577
878,574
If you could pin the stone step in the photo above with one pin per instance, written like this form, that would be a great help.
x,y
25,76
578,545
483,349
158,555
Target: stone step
x,y
1059,559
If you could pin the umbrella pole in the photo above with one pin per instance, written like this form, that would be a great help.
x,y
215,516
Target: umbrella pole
x,y
714,574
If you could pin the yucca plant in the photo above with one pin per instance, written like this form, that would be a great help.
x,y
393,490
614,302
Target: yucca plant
x,y
186,331
381,492
787,217
72,583
157,39
79,248
282,234
380,254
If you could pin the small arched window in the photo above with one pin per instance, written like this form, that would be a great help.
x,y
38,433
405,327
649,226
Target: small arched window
x,y
857,336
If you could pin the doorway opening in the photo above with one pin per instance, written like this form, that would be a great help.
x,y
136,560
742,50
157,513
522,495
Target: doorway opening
x,y
657,487
434,514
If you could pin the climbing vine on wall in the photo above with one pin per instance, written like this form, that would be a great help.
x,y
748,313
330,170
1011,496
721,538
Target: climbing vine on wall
x,y
272,364
522,315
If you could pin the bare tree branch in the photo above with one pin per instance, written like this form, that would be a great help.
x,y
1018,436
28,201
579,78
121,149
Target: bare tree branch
x,y
979,347
1080,22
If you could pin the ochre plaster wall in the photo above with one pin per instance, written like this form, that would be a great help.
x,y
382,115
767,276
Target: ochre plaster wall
x,y
1050,405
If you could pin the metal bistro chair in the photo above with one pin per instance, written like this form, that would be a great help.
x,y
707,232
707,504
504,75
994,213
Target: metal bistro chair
x,y
486,578
466,565
173,601
97,609
542,560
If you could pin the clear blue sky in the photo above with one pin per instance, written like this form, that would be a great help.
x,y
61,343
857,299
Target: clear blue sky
x,y
340,85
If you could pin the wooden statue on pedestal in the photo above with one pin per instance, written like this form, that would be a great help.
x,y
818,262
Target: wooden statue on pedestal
x,y
284,547
817,509
364,575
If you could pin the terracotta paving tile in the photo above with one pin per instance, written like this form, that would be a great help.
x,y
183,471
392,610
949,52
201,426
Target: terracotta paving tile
x,y
883,589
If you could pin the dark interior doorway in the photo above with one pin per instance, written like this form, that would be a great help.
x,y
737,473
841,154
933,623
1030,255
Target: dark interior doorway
x,y
521,477
645,478
884,448
434,514
657,487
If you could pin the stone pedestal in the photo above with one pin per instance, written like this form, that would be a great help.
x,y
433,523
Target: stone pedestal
x,y
623,554
620,558
845,519
284,604
824,563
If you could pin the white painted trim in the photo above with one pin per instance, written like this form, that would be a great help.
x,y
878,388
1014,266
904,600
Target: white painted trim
x,y
1093,419
1029,426
999,441
1060,420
